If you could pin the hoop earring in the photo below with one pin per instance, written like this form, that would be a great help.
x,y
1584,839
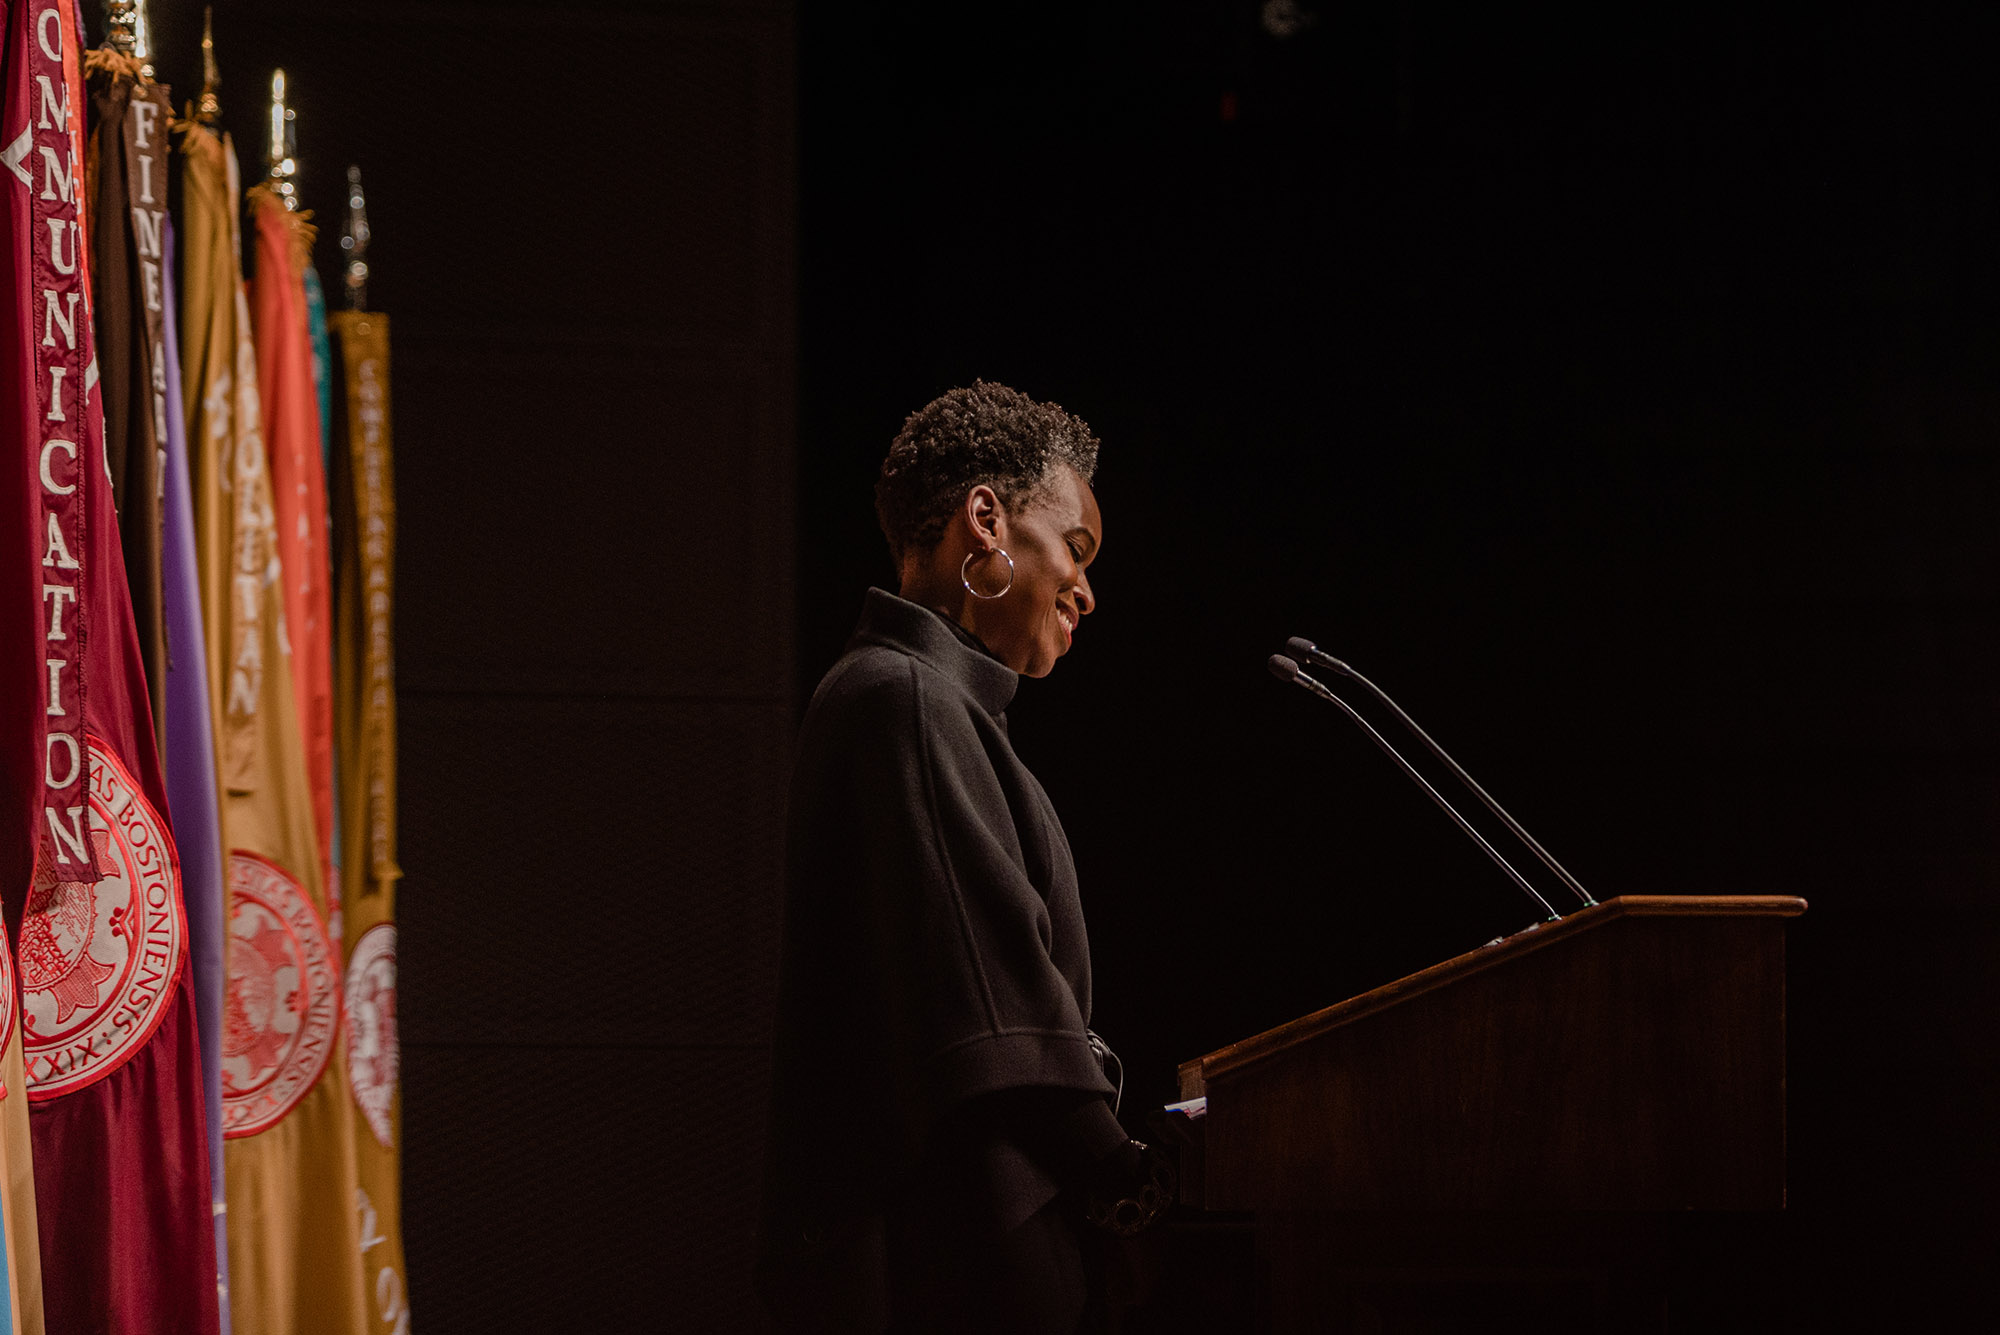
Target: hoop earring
x,y
965,576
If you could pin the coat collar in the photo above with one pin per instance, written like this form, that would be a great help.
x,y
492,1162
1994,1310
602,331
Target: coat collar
x,y
897,623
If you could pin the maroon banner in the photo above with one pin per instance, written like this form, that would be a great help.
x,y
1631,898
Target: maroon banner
x,y
22,676
108,1024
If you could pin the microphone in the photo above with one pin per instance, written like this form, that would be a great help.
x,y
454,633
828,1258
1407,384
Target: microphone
x,y
1286,669
1306,649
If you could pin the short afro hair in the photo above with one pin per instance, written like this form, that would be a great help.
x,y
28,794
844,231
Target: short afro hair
x,y
984,433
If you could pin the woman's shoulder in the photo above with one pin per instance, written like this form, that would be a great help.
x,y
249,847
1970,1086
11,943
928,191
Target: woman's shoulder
x,y
877,673
876,684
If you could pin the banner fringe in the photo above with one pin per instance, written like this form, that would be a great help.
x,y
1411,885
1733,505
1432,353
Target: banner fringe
x,y
303,232
104,60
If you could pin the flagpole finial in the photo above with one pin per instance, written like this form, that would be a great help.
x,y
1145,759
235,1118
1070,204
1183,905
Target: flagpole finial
x,y
121,23
129,32
142,37
284,144
207,109
354,243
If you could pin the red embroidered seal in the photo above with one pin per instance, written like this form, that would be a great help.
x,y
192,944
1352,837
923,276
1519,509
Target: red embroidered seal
x,y
281,1010
98,961
373,1057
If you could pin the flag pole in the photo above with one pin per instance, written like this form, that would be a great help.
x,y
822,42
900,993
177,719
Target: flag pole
x,y
354,236
207,109
129,32
284,145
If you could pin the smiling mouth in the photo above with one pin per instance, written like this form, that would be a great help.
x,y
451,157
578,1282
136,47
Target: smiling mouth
x,y
1068,620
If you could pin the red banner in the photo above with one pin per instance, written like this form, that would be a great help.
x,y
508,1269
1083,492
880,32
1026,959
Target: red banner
x,y
22,674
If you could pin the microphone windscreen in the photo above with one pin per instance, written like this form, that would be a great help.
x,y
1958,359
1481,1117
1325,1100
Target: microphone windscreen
x,y
1283,668
1301,647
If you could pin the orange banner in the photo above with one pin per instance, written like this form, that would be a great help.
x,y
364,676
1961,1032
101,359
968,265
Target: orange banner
x,y
298,491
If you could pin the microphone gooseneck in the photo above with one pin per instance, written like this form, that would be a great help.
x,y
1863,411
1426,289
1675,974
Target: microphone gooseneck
x,y
1303,648
1287,669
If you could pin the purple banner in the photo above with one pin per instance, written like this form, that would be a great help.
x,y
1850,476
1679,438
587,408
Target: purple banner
x,y
191,790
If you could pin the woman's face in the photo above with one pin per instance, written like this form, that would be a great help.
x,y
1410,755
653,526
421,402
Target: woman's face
x,y
1053,539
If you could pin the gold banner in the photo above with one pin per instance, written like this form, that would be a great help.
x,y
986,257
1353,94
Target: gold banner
x,y
288,1156
364,710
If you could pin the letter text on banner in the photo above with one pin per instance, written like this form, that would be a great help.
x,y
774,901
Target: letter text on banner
x,y
61,360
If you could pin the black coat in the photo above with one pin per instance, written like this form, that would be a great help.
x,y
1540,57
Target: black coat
x,y
936,976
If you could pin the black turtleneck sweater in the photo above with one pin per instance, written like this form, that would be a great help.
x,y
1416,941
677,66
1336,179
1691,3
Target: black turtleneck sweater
x,y
933,1079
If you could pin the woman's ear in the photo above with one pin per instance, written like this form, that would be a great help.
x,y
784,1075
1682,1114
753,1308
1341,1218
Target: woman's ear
x,y
985,516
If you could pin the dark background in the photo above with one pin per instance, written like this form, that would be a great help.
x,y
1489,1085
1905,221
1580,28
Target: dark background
x,y
1621,391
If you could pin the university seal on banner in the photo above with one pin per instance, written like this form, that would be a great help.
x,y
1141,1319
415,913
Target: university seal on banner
x,y
99,961
372,1055
281,1011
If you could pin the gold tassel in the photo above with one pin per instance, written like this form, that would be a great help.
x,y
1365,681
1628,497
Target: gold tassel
x,y
185,124
303,232
103,60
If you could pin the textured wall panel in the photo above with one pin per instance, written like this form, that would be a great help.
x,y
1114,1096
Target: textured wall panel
x,y
607,1190
611,167
506,940
588,518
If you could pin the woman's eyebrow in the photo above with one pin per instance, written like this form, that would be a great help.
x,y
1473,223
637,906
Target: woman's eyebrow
x,y
1081,532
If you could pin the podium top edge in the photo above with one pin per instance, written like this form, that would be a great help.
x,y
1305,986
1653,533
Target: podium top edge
x,y
1702,906
1194,1074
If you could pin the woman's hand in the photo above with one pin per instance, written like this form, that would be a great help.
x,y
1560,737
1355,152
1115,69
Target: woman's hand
x,y
1135,1190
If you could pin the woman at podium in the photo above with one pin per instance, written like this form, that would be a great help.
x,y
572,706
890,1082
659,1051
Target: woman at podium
x,y
942,1120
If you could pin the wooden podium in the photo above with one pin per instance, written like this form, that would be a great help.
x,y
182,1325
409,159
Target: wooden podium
x,y
1480,1131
